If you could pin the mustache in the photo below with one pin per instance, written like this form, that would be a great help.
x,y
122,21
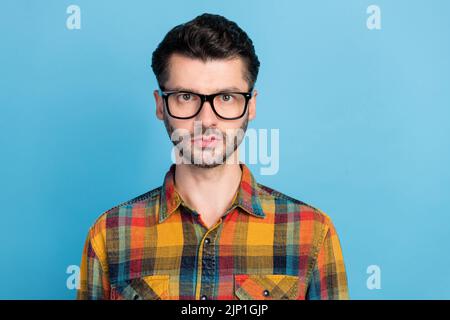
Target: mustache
x,y
204,132
208,132
181,137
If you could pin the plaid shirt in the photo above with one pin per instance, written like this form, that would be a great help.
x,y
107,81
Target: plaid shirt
x,y
267,245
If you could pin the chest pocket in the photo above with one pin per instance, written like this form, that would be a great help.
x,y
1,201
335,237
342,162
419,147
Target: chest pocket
x,y
153,287
266,287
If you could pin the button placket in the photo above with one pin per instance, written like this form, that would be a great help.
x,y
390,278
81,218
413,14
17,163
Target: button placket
x,y
208,264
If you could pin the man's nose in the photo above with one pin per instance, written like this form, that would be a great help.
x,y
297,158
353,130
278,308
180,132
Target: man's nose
x,y
207,115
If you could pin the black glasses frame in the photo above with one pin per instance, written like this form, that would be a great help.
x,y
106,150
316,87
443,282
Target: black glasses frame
x,y
205,97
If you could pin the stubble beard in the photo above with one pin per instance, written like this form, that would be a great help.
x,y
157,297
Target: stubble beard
x,y
206,157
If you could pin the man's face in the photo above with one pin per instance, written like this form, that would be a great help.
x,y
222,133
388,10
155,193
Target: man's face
x,y
216,139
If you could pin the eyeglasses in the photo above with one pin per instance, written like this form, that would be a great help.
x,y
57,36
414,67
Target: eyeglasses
x,y
186,104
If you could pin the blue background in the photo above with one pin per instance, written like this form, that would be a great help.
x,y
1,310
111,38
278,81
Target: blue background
x,y
363,118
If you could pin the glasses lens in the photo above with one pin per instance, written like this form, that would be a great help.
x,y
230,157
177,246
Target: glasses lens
x,y
229,105
183,104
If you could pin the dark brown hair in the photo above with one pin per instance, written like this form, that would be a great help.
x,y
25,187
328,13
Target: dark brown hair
x,y
208,36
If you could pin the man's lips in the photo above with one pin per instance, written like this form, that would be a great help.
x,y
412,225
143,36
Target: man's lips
x,y
206,141
207,138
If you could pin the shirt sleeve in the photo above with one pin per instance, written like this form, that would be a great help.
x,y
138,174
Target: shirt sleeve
x,y
328,278
94,280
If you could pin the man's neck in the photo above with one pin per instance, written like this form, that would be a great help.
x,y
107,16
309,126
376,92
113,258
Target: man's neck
x,y
209,191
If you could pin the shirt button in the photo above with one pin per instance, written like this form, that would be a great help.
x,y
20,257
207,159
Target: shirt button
x,y
204,297
207,241
266,293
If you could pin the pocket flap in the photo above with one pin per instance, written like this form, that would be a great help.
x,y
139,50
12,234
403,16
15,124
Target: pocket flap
x,y
266,287
153,287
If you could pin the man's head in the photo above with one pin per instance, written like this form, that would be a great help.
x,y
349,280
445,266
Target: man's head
x,y
207,55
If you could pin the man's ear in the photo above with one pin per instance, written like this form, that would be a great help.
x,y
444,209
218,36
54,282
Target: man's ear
x,y
159,105
252,106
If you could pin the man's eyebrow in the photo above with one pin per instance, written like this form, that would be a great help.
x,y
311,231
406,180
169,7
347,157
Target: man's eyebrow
x,y
226,89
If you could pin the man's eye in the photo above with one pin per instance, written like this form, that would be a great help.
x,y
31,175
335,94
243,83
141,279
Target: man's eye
x,y
226,97
186,96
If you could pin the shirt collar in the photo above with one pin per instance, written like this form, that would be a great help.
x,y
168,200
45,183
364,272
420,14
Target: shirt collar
x,y
246,197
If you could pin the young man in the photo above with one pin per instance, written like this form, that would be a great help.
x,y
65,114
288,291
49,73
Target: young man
x,y
210,231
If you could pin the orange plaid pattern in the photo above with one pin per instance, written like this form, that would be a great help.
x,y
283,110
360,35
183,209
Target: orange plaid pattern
x,y
267,245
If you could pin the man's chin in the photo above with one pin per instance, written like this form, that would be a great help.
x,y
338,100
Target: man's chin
x,y
206,163
207,157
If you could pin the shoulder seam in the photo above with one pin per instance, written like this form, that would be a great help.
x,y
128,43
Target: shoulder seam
x,y
141,197
278,194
